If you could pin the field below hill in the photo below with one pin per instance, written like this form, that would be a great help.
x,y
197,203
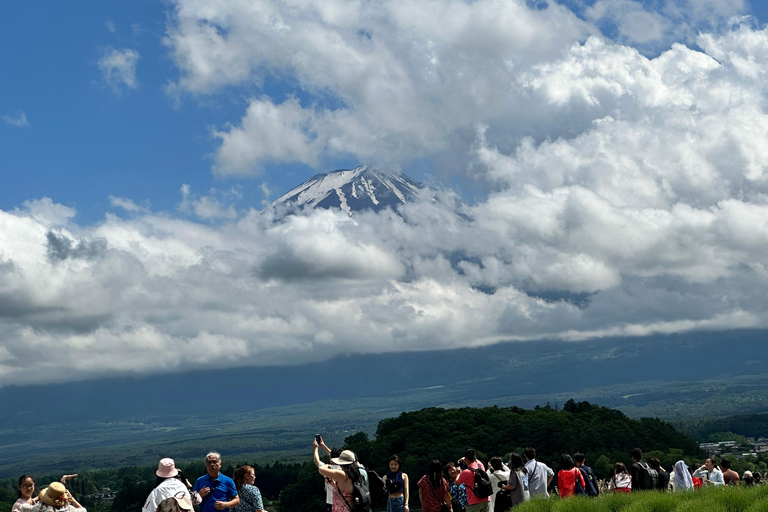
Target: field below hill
x,y
723,499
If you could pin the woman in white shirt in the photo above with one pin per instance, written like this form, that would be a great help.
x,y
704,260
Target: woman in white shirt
x,y
620,481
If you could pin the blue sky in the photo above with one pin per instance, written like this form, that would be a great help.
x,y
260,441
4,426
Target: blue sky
x,y
87,140
610,150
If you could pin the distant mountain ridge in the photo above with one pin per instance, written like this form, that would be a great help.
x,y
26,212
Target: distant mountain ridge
x,y
353,190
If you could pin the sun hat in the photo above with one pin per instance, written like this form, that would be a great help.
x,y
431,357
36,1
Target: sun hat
x,y
54,495
166,468
346,457
181,498
747,474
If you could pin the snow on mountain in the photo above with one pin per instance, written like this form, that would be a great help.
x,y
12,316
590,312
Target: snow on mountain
x,y
352,190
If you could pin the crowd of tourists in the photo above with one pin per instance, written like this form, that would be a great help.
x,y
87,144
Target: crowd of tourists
x,y
212,492
466,485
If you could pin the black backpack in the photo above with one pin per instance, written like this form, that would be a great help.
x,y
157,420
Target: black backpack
x,y
649,477
482,488
361,498
590,482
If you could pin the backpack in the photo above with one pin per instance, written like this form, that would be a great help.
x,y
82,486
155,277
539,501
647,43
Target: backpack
x,y
482,488
361,498
648,477
590,482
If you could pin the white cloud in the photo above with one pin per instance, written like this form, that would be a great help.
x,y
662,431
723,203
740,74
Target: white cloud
x,y
17,119
629,196
118,68
209,207
386,81
127,204
110,26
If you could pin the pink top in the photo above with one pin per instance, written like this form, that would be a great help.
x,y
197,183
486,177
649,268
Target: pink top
x,y
467,477
338,501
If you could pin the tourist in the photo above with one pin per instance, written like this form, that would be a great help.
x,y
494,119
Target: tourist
x,y
26,492
333,453
54,498
250,496
396,483
621,480
170,483
216,490
569,477
467,477
710,473
662,482
434,491
590,480
539,474
517,485
344,478
681,477
497,472
730,477
458,491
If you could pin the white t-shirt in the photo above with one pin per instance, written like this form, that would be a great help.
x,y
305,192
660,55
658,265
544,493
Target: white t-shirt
x,y
496,477
538,474
167,489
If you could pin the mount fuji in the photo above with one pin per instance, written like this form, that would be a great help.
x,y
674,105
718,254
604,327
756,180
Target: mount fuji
x,y
353,190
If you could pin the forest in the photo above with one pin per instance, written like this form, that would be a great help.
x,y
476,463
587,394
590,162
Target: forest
x,y
604,435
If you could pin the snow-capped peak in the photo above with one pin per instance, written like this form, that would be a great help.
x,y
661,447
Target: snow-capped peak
x,y
362,188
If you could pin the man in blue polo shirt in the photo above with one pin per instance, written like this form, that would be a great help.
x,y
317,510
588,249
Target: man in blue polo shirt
x,y
218,491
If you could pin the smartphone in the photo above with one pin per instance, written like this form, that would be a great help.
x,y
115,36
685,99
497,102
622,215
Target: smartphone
x,y
319,438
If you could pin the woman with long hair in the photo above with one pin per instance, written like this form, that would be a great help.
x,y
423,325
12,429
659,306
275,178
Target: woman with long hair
x,y
568,477
517,485
620,481
396,483
26,492
343,479
250,496
434,491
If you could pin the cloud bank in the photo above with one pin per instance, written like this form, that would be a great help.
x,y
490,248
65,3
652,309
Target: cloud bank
x,y
629,196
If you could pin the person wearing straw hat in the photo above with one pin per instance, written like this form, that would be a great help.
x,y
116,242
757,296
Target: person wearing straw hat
x,y
170,484
54,497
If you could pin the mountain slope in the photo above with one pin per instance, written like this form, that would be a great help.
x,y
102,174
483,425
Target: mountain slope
x,y
353,190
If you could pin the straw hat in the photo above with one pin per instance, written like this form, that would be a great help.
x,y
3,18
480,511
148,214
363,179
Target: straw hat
x,y
55,495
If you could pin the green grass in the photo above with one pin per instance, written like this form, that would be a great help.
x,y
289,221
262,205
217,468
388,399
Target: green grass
x,y
739,499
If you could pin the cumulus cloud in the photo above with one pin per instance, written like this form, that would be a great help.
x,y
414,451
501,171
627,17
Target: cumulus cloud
x,y
17,119
118,68
384,81
629,197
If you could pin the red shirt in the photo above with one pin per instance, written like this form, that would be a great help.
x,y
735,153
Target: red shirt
x,y
467,477
566,481
432,498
